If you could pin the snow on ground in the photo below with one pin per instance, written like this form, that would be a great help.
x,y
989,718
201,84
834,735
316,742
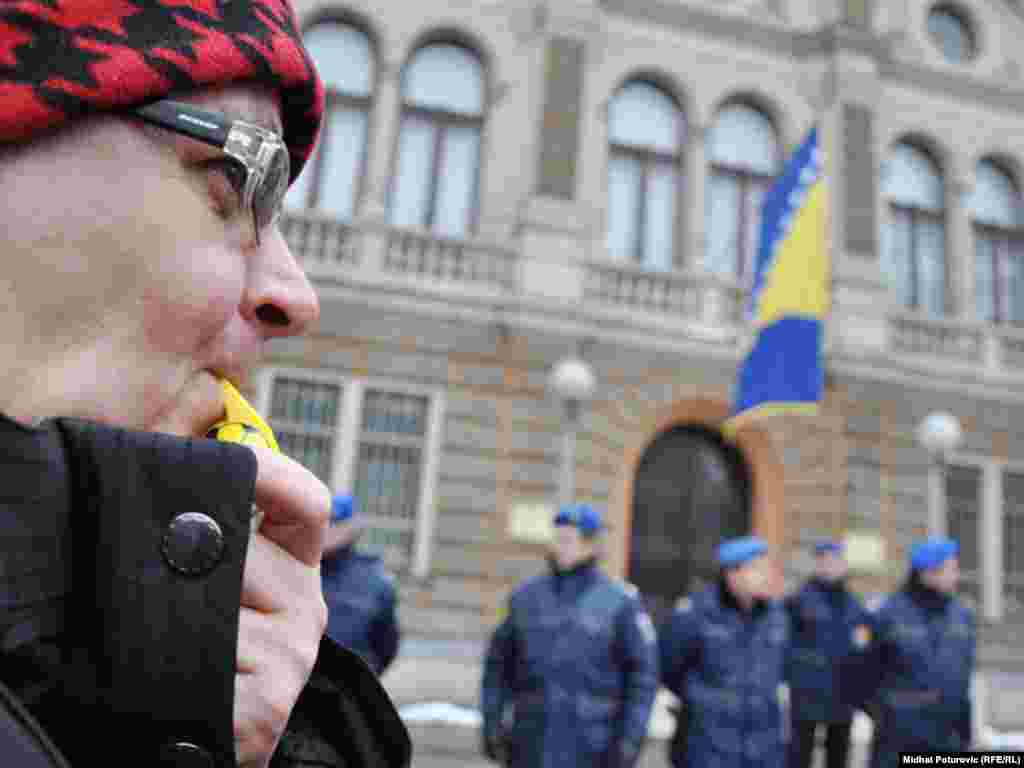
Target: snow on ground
x,y
662,722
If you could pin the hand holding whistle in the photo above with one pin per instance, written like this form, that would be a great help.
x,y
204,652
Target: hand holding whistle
x,y
242,424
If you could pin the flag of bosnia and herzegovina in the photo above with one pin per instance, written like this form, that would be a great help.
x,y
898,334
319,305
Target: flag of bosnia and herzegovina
x,y
784,371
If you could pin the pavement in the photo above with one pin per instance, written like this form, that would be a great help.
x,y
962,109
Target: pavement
x,y
436,686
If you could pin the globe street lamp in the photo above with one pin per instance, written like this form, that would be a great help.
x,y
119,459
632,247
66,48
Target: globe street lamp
x,y
939,433
573,382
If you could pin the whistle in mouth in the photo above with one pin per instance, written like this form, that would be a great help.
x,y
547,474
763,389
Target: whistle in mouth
x,y
241,424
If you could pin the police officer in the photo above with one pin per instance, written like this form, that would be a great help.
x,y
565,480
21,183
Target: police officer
x,y
830,631
920,664
722,653
574,661
360,596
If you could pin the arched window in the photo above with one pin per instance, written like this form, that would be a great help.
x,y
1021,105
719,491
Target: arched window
x,y
438,168
995,211
915,234
952,33
645,133
332,177
744,156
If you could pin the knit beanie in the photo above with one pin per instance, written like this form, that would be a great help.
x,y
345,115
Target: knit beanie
x,y
62,59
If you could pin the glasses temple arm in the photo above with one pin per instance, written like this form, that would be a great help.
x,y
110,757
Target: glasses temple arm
x,y
186,119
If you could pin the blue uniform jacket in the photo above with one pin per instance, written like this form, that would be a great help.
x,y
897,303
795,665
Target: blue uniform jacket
x,y
575,664
361,605
726,669
919,669
830,632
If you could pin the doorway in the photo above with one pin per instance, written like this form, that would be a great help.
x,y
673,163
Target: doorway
x,y
692,489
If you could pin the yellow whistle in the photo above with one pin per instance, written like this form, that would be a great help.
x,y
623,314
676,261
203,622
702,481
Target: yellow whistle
x,y
241,424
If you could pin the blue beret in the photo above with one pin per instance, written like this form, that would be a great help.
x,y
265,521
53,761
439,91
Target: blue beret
x,y
342,508
583,516
733,552
828,545
932,552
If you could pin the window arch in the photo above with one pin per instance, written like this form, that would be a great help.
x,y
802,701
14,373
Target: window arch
x,y
332,178
436,179
646,131
995,209
915,233
744,155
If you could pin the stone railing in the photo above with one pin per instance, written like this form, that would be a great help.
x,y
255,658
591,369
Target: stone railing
x,y
427,257
319,239
1009,348
703,298
994,349
956,341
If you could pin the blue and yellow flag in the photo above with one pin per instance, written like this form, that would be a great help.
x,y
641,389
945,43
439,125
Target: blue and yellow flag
x,y
784,371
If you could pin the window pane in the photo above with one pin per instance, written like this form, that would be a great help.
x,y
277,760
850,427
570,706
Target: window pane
x,y
984,278
661,216
722,224
305,403
343,57
388,470
456,183
344,144
641,115
912,180
743,138
751,227
303,415
411,193
994,199
951,33
1015,283
387,480
931,255
963,493
625,176
897,251
1013,542
394,413
446,77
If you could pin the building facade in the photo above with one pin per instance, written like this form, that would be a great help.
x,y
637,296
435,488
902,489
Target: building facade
x,y
503,183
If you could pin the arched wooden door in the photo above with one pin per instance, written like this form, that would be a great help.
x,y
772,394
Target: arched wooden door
x,y
691,490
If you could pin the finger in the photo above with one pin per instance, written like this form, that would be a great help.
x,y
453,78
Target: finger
x,y
261,714
274,581
277,642
295,503
262,641
199,405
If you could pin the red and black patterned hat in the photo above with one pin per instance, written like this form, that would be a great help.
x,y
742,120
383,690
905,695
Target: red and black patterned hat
x,y
60,59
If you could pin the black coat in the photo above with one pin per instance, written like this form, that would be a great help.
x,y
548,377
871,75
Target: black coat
x,y
108,648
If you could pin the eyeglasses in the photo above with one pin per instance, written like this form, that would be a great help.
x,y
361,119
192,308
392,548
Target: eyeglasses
x,y
261,153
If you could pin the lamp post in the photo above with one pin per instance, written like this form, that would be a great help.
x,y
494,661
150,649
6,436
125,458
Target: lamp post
x,y
573,382
939,433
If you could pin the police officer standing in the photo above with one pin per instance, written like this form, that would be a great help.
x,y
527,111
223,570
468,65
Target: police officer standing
x,y
361,600
830,631
574,660
921,662
722,653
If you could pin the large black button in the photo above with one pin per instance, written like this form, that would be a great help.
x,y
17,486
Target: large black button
x,y
193,544
183,754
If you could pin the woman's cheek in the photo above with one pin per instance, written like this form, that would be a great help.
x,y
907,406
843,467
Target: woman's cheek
x,y
197,306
